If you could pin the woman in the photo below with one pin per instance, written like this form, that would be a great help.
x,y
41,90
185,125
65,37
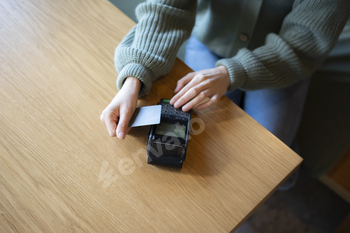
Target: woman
x,y
259,53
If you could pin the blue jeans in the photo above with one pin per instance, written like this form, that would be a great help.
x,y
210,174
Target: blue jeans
x,y
278,110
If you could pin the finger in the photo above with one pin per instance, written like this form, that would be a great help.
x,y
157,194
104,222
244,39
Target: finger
x,y
183,81
183,91
192,93
180,84
111,125
213,100
123,123
199,98
110,119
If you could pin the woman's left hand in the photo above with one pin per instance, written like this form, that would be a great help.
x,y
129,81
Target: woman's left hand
x,y
195,87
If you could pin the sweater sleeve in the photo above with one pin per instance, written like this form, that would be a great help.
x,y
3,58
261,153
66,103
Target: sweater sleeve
x,y
149,50
308,34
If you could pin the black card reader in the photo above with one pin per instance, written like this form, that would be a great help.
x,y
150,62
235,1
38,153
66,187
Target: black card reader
x,y
167,141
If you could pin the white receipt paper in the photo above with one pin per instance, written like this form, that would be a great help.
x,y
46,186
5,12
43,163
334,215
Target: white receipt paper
x,y
149,115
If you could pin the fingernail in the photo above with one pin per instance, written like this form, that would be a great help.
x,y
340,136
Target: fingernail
x,y
175,89
121,135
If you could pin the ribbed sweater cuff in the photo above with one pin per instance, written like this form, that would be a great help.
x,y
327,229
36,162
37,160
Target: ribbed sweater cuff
x,y
138,71
236,72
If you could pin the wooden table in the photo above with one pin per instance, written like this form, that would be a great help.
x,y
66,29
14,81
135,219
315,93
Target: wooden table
x,y
61,172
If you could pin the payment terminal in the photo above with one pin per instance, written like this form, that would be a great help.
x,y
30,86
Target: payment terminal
x,y
167,141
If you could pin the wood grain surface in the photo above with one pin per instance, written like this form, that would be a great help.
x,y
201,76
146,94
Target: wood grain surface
x,y
338,177
61,172
340,172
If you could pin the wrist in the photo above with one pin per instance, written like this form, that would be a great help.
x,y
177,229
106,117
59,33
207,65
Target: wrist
x,y
133,83
223,70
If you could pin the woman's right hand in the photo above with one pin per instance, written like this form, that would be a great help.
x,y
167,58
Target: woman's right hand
x,y
118,113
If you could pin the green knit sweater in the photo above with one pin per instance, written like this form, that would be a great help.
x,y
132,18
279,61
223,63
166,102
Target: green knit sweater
x,y
266,43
